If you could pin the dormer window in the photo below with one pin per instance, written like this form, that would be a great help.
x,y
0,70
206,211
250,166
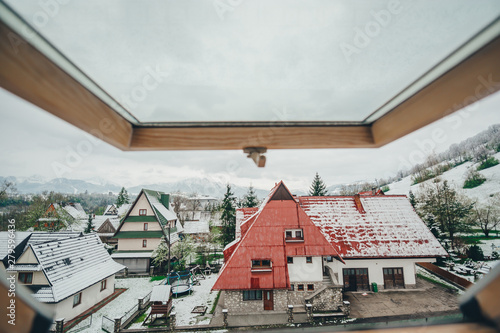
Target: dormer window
x,y
143,212
294,235
261,265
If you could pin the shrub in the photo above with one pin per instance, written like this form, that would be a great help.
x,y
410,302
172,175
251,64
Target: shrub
x,y
474,179
488,163
385,188
495,255
475,253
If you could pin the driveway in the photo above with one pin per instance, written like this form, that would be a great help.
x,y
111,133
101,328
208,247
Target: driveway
x,y
427,299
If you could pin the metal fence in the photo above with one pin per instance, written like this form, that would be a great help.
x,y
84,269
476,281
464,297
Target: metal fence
x,y
84,324
107,324
146,299
130,313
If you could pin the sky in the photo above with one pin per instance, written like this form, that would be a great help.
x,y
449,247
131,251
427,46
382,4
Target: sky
x,y
266,60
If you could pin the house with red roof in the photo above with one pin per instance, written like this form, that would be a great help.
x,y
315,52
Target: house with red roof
x,y
298,250
278,260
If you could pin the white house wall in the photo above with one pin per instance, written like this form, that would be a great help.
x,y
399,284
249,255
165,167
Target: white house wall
x,y
135,244
139,226
90,297
375,268
142,203
301,271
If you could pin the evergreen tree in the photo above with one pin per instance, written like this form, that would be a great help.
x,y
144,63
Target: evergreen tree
x,y
413,200
90,225
250,199
228,217
318,187
122,198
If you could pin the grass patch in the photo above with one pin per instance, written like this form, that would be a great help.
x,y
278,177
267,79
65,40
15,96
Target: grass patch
x,y
476,239
215,303
444,285
488,163
497,232
471,183
156,278
141,318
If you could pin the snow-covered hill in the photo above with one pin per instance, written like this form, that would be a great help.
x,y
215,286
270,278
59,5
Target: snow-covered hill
x,y
456,178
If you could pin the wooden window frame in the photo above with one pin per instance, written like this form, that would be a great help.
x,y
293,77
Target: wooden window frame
x,y
25,276
252,295
146,226
291,235
79,299
104,284
260,265
144,243
143,212
309,260
68,99
300,287
310,287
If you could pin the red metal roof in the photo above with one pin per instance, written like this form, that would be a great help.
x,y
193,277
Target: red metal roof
x,y
382,227
265,239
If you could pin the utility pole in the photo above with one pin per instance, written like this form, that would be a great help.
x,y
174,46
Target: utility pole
x,y
168,264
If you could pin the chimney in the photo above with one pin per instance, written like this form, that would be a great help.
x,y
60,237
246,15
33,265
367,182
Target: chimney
x,y
374,191
359,205
165,200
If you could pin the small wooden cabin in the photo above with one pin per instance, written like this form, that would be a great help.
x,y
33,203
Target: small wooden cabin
x,y
161,299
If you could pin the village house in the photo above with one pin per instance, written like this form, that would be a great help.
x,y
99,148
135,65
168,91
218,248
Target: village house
x,y
278,261
62,216
331,244
149,220
70,272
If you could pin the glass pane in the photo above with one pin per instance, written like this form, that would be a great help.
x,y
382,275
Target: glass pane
x,y
282,60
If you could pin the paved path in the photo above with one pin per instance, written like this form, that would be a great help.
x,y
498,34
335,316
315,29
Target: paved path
x,y
426,299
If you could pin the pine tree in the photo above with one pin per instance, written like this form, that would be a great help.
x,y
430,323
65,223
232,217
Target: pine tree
x,y
413,200
228,217
90,225
318,187
250,199
122,198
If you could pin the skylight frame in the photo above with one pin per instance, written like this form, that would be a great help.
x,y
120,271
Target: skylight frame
x,y
381,127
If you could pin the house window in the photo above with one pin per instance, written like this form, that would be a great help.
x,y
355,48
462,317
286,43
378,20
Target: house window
x,y
103,285
309,260
144,243
26,278
310,287
143,212
252,295
329,259
289,260
294,235
77,299
261,265
300,287
292,287
145,227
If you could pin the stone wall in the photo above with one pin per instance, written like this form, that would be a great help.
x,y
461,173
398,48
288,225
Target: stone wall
x,y
329,299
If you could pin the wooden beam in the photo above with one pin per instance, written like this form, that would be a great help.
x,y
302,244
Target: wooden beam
x,y
203,138
475,78
29,74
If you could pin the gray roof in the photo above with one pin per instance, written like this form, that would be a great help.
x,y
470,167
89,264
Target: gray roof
x,y
71,265
160,293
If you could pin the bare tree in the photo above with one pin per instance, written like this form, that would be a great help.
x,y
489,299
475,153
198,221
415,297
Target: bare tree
x,y
487,216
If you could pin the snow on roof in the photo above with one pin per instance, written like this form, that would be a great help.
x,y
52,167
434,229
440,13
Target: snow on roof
x,y
388,227
42,237
160,293
198,227
25,268
73,264
4,239
75,212
123,209
142,254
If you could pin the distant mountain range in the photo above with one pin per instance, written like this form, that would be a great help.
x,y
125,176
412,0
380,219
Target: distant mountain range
x,y
203,186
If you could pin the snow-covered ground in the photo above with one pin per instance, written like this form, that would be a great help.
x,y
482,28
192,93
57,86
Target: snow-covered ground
x,y
456,177
201,296
136,288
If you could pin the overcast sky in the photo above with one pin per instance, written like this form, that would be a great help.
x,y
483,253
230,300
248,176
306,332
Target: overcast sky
x,y
35,142
255,60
